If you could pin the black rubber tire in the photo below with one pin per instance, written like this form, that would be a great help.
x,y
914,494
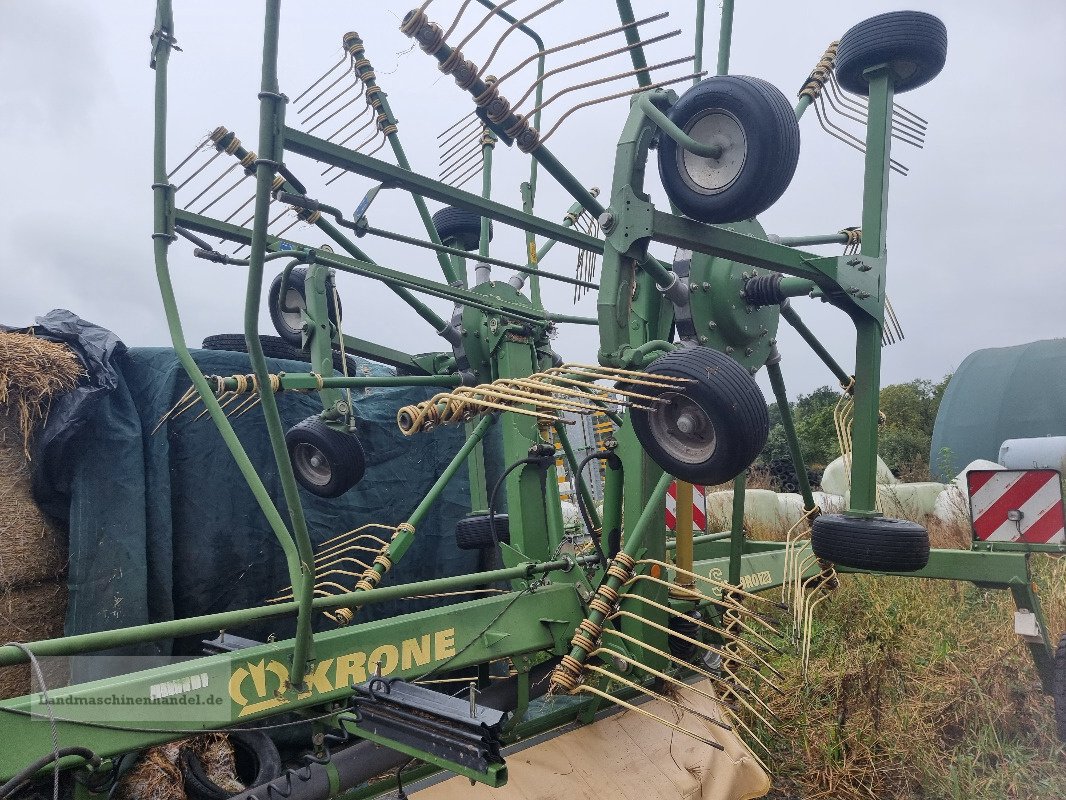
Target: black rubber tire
x,y
257,760
474,532
772,134
344,460
273,347
879,544
732,404
286,330
461,226
1060,688
914,43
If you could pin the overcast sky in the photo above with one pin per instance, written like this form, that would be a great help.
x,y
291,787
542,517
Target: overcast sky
x,y
975,231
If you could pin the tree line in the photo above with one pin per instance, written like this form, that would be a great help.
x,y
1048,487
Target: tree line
x,y
905,436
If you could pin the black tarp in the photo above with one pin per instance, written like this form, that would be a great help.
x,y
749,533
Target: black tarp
x,y
163,525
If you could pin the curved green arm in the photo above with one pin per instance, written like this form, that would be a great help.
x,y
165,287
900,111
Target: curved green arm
x,y
162,237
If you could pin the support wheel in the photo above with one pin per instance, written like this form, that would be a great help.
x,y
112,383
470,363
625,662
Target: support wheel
x,y
460,227
288,320
706,431
327,462
913,43
879,544
257,762
756,127
475,533
1060,688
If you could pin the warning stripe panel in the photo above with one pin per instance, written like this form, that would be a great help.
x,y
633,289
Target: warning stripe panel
x,y
699,507
1032,497
1031,510
1013,496
1048,527
978,478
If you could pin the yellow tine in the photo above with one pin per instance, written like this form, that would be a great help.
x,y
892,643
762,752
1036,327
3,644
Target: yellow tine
x,y
669,679
639,710
699,671
650,693
722,603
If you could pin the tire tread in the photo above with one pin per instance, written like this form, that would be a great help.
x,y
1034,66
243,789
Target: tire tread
x,y
879,544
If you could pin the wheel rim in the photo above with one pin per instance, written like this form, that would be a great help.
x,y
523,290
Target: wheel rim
x,y
683,429
714,175
293,319
312,464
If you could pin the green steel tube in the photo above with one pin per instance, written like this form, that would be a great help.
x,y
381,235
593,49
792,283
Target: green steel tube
x,y
804,241
867,329
701,9
582,487
736,535
292,380
796,287
613,485
777,381
572,319
793,319
403,538
566,179
671,544
537,100
802,106
366,75
162,236
684,141
227,620
572,214
725,37
486,192
625,13
374,169
420,308
397,237
352,249
271,121
634,541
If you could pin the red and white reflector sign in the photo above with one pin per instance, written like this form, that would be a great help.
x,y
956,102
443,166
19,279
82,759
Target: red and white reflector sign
x,y
699,507
1017,505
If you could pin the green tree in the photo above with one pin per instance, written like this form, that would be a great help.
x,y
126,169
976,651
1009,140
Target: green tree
x,y
813,416
910,411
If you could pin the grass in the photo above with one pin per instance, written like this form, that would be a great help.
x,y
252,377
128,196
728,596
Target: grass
x,y
920,689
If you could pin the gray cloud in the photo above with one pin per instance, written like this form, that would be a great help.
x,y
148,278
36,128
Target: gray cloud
x,y
972,230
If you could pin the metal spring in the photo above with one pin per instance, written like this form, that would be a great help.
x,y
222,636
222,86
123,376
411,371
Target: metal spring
x,y
542,390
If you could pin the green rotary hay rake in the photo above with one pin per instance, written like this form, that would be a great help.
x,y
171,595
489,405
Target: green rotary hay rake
x,y
680,341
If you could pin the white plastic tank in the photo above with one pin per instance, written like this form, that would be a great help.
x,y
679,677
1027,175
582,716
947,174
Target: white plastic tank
x,y
1045,452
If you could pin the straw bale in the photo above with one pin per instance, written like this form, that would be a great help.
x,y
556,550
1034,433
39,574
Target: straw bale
x,y
157,774
32,548
28,614
32,372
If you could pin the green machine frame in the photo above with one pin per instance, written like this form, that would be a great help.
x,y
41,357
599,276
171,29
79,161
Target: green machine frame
x,y
505,335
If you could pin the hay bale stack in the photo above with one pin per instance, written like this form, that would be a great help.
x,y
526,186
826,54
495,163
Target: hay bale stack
x,y
32,548
27,614
33,594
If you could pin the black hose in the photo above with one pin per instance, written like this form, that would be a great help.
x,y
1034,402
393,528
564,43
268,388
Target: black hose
x,y
539,460
32,769
604,454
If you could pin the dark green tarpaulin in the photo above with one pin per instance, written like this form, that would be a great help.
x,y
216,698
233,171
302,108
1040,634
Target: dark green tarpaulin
x,y
998,394
163,525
